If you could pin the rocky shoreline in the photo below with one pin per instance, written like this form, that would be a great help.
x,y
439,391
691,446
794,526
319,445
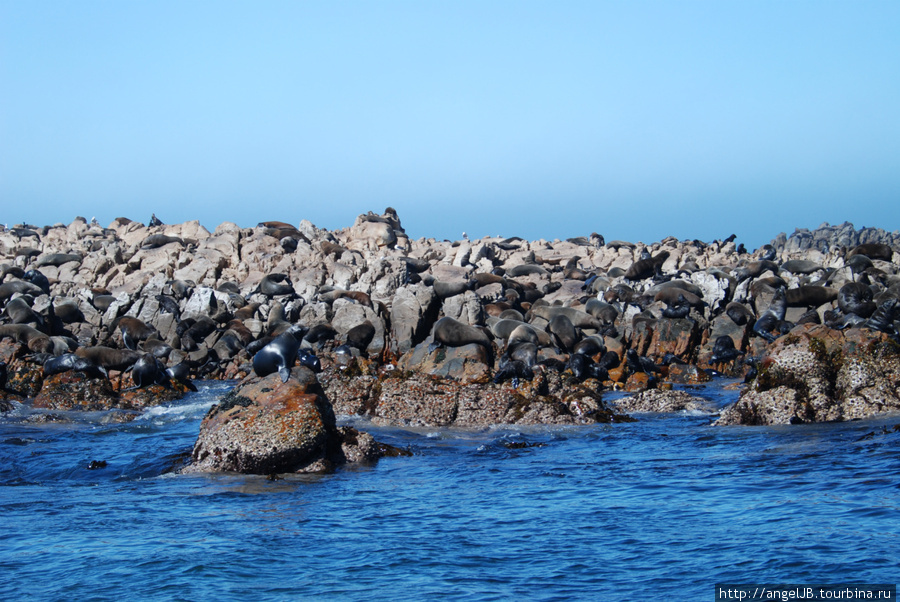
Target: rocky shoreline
x,y
439,333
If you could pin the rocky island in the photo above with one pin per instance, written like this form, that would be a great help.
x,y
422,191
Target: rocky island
x,y
367,321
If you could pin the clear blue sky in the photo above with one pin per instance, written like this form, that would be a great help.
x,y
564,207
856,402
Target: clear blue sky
x,y
636,120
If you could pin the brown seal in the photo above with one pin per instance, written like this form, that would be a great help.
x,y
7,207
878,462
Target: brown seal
x,y
108,357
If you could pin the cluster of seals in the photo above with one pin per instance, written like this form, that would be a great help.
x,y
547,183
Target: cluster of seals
x,y
288,295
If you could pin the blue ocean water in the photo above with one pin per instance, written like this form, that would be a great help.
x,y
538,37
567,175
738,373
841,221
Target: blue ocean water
x,y
662,508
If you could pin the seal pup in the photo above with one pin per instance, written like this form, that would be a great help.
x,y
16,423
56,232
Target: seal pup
x,y
310,360
281,354
583,367
195,331
739,313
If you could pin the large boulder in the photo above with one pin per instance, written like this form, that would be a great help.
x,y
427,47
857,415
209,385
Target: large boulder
x,y
266,426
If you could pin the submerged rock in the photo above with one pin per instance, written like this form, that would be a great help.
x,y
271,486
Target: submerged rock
x,y
660,400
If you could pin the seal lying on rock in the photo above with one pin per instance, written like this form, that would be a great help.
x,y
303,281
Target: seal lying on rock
x,y
453,333
70,361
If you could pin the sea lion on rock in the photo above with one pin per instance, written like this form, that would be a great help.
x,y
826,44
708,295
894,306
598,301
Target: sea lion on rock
x,y
563,332
526,269
320,333
8,289
148,371
275,285
109,358
134,330
678,308
13,270
856,298
19,311
883,317
361,335
29,336
873,251
169,305
154,241
196,331
247,312
647,268
579,319
603,311
445,290
38,279
68,312
590,346
739,313
801,266
70,361
511,369
772,317
309,360
810,296
181,373
754,269
583,367
281,354
724,351
453,333
57,259
158,348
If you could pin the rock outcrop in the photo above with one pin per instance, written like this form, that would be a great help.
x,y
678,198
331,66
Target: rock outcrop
x,y
557,322
266,426
817,374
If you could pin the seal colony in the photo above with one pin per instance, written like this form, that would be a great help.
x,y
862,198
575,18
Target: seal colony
x,y
423,331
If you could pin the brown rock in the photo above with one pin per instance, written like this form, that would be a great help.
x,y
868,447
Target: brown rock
x,y
266,426
73,390
467,364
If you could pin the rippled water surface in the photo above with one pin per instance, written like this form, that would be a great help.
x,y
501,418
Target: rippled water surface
x,y
663,508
